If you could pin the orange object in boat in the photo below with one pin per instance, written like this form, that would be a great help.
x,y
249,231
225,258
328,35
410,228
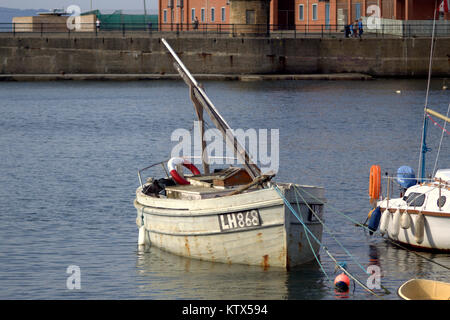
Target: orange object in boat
x,y
375,182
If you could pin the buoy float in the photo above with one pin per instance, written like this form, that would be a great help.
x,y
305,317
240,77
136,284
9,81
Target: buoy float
x,y
374,220
396,223
405,221
384,221
342,283
375,182
419,228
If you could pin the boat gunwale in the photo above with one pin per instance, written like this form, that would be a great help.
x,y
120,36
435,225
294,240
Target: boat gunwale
x,y
415,211
320,199
412,281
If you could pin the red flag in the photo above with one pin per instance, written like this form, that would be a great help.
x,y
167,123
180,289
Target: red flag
x,y
443,7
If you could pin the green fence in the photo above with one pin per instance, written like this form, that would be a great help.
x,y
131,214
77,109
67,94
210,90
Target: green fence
x,y
118,21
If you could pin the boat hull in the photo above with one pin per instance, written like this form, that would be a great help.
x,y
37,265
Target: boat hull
x,y
436,235
422,289
222,230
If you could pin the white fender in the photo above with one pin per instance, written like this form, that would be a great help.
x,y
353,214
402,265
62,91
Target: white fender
x,y
142,234
384,221
396,223
419,227
405,221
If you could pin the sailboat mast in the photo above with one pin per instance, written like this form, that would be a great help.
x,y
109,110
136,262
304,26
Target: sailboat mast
x,y
424,149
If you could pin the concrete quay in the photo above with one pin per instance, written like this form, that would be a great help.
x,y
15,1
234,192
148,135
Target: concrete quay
x,y
126,58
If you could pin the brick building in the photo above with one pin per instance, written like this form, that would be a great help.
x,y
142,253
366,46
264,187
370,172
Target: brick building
x,y
185,11
289,13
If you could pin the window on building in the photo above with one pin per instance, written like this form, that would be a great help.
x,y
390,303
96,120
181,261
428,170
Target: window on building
x,y
314,11
250,17
213,14
192,14
223,14
203,14
182,15
301,12
165,16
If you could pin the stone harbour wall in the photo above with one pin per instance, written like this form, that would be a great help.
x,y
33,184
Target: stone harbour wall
x,y
147,55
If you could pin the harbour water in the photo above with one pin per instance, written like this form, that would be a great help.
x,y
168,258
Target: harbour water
x,y
70,151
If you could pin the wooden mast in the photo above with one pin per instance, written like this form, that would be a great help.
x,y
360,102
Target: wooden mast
x,y
202,102
199,112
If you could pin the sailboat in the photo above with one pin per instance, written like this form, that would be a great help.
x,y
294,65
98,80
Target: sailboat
x,y
234,215
420,217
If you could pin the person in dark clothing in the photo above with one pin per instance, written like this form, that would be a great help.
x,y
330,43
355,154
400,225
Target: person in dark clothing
x,y
347,30
355,29
196,23
360,28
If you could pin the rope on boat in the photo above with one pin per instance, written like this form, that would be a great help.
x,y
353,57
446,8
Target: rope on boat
x,y
358,224
310,245
332,235
328,229
320,243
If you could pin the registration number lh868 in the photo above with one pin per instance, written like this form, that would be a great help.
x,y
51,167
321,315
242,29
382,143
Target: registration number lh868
x,y
239,220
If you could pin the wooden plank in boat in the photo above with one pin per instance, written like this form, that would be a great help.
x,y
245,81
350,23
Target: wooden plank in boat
x,y
232,177
193,192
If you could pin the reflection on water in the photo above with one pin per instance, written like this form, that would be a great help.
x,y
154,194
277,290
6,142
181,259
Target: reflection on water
x,y
168,276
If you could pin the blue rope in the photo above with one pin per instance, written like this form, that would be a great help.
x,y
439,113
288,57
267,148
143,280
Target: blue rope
x,y
330,232
318,241
310,245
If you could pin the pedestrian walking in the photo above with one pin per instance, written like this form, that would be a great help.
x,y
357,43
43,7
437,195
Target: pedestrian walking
x,y
347,30
360,28
355,29
195,23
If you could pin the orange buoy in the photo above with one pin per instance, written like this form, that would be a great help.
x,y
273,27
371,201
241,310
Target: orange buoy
x,y
375,182
342,282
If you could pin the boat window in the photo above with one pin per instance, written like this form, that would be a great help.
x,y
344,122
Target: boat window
x,y
415,199
441,201
318,210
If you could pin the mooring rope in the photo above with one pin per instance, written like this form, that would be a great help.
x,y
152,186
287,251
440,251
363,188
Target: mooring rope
x,y
328,229
310,245
358,224
320,243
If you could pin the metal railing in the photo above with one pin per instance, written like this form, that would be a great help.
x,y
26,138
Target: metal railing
x,y
217,30
162,163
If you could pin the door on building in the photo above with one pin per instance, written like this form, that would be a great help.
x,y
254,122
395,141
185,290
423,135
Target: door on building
x,y
327,16
286,14
357,11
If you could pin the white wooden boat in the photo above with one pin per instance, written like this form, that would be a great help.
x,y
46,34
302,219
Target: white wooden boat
x,y
421,289
235,215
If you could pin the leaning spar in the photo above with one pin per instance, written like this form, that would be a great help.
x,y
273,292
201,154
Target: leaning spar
x,y
201,101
